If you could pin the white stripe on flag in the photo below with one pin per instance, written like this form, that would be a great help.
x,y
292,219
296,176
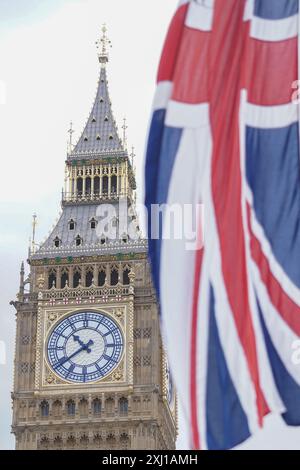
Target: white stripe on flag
x,y
200,16
162,95
249,10
278,272
281,334
187,115
274,30
229,337
265,372
177,287
270,117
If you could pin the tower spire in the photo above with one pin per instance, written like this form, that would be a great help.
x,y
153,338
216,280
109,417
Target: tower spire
x,y
103,44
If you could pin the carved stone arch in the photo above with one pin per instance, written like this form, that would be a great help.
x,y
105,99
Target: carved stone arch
x,y
97,440
84,441
57,408
44,442
58,442
109,405
71,441
124,441
44,409
111,441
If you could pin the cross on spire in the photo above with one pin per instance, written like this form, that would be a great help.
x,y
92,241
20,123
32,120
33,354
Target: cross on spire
x,y
103,44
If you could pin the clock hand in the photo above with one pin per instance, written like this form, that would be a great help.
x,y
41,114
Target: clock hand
x,y
90,343
76,338
84,347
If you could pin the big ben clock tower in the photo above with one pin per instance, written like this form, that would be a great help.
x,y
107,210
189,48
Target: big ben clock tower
x,y
90,369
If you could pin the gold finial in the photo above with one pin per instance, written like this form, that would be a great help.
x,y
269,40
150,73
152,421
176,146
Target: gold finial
x,y
103,44
70,132
124,127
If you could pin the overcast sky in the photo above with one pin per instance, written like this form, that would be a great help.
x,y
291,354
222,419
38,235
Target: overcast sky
x,y
48,76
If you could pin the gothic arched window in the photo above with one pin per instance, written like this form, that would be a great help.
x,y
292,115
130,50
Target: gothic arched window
x,y
105,184
79,186
52,279
101,277
126,279
114,276
57,408
109,405
114,184
64,281
44,408
76,279
89,278
88,185
71,407
97,406
123,406
96,185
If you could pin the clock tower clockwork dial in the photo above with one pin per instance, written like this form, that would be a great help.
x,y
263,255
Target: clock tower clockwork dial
x,y
85,347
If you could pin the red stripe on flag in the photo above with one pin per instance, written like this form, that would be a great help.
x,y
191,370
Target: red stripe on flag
x,y
171,46
287,309
271,68
193,365
191,72
226,58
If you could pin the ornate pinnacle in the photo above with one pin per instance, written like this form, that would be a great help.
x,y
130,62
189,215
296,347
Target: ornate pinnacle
x,y
70,143
103,44
124,127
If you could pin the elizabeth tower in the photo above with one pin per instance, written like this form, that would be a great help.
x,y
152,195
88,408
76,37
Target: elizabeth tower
x,y
90,370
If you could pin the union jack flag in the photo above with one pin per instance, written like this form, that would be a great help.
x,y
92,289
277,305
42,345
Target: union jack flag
x,y
225,133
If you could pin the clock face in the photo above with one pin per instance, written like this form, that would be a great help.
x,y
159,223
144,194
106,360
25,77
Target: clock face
x,y
170,386
85,347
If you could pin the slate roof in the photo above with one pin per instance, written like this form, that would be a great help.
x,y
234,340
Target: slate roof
x,y
100,134
91,239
